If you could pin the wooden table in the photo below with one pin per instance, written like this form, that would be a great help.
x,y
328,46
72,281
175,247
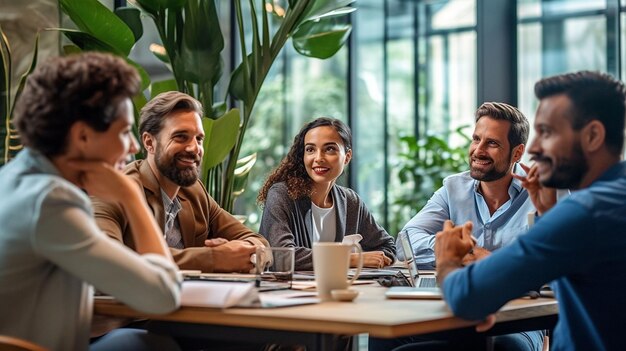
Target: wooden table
x,y
314,325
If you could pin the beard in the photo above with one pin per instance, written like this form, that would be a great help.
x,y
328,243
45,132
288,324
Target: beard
x,y
567,172
184,177
493,173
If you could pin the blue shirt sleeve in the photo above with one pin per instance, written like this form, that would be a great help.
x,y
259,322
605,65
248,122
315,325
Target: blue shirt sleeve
x,y
555,246
423,227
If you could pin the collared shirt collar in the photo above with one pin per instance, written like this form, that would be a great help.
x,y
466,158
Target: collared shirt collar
x,y
171,206
515,188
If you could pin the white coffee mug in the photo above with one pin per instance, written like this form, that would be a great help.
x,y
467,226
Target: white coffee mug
x,y
331,262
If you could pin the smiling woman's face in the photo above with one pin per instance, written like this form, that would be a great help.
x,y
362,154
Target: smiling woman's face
x,y
325,154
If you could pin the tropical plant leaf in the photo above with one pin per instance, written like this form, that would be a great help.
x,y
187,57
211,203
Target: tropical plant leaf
x,y
321,39
200,60
94,18
162,86
5,96
145,77
31,68
237,84
221,135
244,166
132,17
149,6
321,7
87,42
335,13
219,108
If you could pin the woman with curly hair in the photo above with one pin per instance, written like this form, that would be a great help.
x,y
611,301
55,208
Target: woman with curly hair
x,y
75,118
303,204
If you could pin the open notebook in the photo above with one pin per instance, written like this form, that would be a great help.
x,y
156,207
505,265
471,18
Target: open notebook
x,y
422,287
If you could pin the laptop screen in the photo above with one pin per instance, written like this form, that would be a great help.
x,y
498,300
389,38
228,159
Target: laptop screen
x,y
409,257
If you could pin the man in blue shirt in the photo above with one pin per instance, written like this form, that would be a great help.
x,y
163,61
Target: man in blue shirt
x,y
580,244
487,194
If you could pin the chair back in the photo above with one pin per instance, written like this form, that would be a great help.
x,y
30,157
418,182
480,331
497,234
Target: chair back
x,y
10,343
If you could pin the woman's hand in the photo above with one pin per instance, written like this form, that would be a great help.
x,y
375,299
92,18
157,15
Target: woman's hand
x,y
371,259
102,180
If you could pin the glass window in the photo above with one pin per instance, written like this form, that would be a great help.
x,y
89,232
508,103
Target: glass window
x,y
368,125
564,36
452,14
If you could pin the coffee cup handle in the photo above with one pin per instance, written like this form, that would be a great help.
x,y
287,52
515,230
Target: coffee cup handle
x,y
360,265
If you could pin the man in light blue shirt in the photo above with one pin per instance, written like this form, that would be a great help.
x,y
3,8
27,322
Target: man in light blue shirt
x,y
487,194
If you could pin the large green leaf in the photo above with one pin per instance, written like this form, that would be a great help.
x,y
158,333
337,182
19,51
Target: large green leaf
x,y
88,42
320,39
149,6
221,135
162,86
321,7
237,81
200,57
145,77
335,13
132,17
94,18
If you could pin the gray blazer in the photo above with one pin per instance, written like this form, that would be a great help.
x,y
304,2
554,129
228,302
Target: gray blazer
x,y
288,223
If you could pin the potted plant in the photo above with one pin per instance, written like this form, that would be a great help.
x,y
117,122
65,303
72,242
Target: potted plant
x,y
192,42
422,165
9,138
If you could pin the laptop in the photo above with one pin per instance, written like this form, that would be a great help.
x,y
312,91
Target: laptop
x,y
422,287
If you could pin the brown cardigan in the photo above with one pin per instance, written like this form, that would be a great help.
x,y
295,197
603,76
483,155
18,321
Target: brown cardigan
x,y
200,218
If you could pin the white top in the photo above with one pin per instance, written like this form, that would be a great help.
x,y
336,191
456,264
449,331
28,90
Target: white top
x,y
324,223
51,251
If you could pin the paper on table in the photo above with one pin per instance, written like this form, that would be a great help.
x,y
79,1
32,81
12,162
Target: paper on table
x,y
218,294
228,294
351,239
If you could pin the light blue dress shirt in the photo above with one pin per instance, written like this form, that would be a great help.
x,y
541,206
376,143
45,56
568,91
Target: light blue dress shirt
x,y
460,201
51,252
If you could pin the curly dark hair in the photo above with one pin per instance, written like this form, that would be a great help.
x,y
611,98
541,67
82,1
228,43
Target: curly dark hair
x,y
291,169
593,96
87,87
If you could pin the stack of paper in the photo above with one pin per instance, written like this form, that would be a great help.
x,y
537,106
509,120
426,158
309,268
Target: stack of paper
x,y
218,294
228,294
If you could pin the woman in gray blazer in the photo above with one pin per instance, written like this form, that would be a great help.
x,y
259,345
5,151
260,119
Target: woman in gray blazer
x,y
303,204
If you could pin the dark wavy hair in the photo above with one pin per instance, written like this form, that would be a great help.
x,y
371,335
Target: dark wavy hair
x,y
592,95
291,169
87,87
